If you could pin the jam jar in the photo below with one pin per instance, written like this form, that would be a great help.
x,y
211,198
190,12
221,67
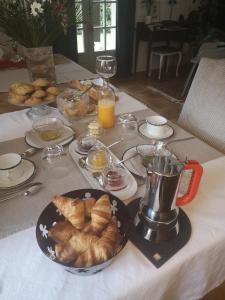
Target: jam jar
x,y
114,178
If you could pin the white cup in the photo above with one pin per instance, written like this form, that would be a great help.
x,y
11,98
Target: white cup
x,y
10,166
156,125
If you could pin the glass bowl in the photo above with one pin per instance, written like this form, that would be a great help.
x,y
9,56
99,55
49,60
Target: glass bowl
x,y
73,104
85,142
48,128
98,158
114,178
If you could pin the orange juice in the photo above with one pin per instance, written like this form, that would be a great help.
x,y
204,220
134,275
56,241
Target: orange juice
x,y
106,112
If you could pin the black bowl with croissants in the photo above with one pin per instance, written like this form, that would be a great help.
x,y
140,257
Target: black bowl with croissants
x,y
83,230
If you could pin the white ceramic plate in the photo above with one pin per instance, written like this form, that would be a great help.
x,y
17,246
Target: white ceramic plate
x,y
168,132
123,194
134,165
33,142
28,170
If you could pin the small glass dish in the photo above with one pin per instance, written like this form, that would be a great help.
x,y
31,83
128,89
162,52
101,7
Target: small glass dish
x,y
55,161
73,104
128,122
98,158
114,178
85,142
48,128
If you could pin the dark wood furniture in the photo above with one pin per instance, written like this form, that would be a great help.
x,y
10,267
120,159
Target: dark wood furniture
x,y
165,31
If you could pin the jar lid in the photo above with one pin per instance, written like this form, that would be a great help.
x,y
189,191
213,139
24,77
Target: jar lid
x,y
95,128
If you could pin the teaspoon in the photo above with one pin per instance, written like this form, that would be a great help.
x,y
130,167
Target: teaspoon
x,y
29,152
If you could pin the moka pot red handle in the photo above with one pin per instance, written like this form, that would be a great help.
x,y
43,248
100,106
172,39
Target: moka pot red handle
x,y
194,182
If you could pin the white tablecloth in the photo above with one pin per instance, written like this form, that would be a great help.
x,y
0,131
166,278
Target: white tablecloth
x,y
15,124
25,273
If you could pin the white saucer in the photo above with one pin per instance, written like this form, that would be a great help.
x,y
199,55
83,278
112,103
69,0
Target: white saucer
x,y
35,142
28,171
168,132
134,165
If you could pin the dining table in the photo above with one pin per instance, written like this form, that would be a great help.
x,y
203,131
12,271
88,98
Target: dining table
x,y
197,268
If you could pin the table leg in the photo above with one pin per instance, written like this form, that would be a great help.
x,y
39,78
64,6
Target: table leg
x,y
136,54
148,58
178,63
160,65
150,68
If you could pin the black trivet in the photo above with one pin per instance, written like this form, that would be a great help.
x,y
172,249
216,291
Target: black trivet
x,y
159,253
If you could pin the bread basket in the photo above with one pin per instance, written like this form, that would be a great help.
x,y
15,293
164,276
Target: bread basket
x,y
50,215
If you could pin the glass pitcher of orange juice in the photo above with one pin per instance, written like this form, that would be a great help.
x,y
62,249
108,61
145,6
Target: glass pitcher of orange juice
x,y
106,107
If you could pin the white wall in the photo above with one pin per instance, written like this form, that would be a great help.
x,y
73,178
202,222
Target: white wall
x,y
183,7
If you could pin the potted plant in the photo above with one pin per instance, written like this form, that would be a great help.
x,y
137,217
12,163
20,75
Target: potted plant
x,y
148,6
35,25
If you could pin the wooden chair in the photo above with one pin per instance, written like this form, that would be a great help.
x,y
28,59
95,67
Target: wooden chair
x,y
203,113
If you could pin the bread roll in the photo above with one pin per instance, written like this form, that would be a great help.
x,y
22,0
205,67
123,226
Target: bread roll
x,y
41,82
39,93
53,90
49,98
17,99
22,89
33,101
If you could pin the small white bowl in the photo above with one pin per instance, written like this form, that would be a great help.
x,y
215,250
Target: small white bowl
x,y
10,165
156,125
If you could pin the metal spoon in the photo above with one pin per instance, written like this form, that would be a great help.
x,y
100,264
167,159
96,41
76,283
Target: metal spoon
x,y
163,144
29,152
84,92
82,163
28,192
115,143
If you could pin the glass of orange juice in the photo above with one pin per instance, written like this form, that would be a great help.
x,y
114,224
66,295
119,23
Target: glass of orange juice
x,y
106,107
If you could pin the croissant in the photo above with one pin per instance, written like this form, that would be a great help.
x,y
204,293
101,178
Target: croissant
x,y
72,209
111,234
62,231
100,214
82,241
88,204
78,243
65,253
102,249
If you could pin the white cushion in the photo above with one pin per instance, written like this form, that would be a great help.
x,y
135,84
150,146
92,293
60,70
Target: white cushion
x,y
203,113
